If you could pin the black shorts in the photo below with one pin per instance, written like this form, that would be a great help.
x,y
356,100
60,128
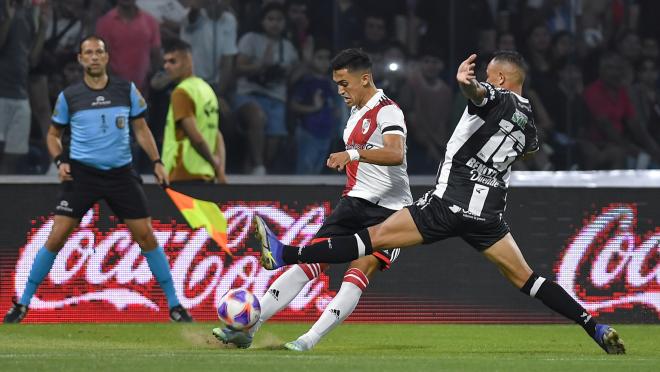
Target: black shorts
x,y
352,215
121,188
437,219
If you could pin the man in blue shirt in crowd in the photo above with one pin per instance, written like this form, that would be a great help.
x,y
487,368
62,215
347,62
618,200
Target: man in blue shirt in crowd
x,y
99,166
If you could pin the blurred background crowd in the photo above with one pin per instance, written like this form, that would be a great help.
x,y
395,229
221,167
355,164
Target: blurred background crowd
x,y
593,72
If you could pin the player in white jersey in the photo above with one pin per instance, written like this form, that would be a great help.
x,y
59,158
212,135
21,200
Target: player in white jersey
x,y
376,187
497,128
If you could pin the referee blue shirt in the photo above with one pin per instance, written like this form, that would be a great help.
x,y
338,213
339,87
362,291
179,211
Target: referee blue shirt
x,y
99,121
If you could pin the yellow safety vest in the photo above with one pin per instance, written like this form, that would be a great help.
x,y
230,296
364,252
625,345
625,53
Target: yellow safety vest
x,y
206,118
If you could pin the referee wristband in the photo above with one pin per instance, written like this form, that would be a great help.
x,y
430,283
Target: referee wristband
x,y
353,154
58,160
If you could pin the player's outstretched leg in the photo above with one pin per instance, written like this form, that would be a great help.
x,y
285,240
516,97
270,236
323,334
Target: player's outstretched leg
x,y
339,249
283,290
43,262
355,282
160,268
507,256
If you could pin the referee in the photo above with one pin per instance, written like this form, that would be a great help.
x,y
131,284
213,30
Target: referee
x,y
98,110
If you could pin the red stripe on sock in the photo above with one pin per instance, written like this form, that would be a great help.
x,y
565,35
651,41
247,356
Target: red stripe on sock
x,y
356,277
308,271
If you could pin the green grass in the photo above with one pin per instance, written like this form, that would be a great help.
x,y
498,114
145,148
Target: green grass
x,y
351,347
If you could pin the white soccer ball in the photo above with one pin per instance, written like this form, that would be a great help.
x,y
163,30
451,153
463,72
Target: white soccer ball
x,y
239,309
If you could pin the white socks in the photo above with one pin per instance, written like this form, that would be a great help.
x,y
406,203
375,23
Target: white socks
x,y
339,308
284,289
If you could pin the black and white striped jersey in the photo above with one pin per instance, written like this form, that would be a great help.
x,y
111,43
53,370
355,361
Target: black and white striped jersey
x,y
474,174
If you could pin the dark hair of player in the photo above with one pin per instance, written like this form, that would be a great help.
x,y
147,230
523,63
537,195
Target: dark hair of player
x,y
351,59
513,57
176,45
92,37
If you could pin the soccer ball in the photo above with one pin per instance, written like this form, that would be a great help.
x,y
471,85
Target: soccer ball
x,y
239,309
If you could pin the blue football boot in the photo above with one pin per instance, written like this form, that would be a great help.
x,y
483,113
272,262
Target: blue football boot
x,y
271,248
608,339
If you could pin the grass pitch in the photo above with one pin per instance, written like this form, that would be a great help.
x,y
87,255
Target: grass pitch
x,y
351,347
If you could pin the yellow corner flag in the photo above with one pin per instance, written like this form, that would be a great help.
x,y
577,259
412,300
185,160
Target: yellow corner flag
x,y
200,213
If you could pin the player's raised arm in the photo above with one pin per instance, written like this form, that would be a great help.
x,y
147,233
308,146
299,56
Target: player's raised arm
x,y
467,81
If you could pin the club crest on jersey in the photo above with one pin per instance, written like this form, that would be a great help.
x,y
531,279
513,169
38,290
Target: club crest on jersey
x,y
366,123
120,122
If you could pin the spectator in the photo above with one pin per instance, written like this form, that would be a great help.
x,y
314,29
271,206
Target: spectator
x,y
299,29
375,34
390,72
427,101
168,13
313,102
133,39
537,53
506,41
211,31
562,48
615,124
572,119
650,49
645,97
348,19
264,61
67,25
21,41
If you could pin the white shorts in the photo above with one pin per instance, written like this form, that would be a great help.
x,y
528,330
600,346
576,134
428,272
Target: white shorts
x,y
15,116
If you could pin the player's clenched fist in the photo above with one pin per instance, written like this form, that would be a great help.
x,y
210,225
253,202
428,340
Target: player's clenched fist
x,y
338,160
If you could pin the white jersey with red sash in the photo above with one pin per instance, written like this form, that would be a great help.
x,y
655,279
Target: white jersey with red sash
x,y
387,186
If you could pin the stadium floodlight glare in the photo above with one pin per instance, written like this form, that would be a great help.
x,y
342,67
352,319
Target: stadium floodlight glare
x,y
393,66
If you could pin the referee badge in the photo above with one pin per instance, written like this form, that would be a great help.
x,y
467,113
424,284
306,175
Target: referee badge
x,y
120,122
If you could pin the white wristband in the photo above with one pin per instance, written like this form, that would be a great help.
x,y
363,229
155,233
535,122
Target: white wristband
x,y
353,154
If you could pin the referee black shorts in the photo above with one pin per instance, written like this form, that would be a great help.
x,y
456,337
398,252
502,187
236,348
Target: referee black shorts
x,y
352,215
438,219
120,187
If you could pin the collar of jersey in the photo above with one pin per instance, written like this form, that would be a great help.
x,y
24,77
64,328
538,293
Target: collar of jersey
x,y
373,101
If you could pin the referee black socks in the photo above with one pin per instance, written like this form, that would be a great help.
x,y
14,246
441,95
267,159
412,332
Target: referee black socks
x,y
338,249
556,298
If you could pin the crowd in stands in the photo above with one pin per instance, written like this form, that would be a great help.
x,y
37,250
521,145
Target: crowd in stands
x,y
593,72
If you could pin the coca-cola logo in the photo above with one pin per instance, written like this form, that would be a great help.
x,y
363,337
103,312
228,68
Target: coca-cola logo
x,y
106,265
607,265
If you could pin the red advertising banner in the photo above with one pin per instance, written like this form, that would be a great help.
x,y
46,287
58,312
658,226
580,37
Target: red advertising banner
x,y
601,245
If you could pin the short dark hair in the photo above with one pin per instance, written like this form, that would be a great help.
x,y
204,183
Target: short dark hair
x,y
351,59
92,37
176,45
269,8
513,57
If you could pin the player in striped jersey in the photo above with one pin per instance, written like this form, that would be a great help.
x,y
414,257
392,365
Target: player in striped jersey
x,y
376,187
496,129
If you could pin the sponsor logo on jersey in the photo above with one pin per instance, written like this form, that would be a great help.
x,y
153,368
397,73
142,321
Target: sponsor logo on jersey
x,y
100,101
359,146
519,118
483,174
455,209
64,206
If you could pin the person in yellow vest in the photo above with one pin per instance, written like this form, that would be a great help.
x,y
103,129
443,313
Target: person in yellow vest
x,y
193,146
